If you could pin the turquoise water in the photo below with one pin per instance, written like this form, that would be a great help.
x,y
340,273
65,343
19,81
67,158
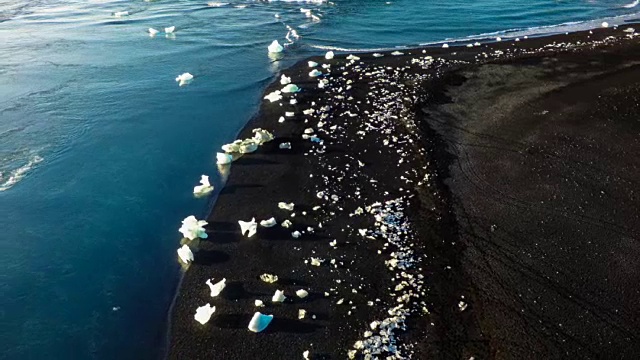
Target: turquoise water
x,y
100,148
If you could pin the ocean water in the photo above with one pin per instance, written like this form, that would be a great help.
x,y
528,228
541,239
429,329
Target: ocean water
x,y
100,148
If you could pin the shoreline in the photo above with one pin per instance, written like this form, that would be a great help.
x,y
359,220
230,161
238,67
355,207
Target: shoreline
x,y
344,164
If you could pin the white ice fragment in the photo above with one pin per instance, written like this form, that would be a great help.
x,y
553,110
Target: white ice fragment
x,y
262,136
185,254
184,79
153,32
274,96
315,73
286,145
302,293
223,158
305,355
286,206
259,322
268,223
121,13
605,24
290,88
377,55
275,47
286,224
289,114
296,234
269,278
397,53
445,46
278,296
258,303
302,313
316,261
352,57
216,288
250,227
203,313
498,39
284,79
170,29
329,55
312,64
205,186
192,228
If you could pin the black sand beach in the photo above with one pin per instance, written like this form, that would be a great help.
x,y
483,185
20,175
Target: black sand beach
x,y
507,177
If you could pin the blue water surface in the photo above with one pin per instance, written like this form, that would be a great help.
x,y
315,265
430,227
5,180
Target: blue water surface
x,y
100,148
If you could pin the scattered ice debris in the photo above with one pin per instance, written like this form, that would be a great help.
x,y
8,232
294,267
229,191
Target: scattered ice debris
x,y
184,79
278,296
153,32
290,88
284,79
286,224
216,288
170,30
286,206
259,322
269,278
203,313
268,223
223,158
629,30
302,313
205,187
312,64
316,261
193,228
302,293
286,145
315,73
329,55
462,306
275,47
185,254
274,96
248,227
258,303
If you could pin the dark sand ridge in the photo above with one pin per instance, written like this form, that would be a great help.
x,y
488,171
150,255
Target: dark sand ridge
x,y
530,210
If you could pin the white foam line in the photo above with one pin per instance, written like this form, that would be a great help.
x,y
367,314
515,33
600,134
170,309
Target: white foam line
x,y
19,173
631,5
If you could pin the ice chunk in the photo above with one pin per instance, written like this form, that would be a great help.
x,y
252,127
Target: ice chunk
x,y
275,47
302,293
250,227
216,288
315,73
284,79
184,79
274,96
312,64
329,55
605,24
153,32
203,313
205,188
262,136
268,223
259,322
290,88
121,13
285,206
192,228
258,303
352,57
170,29
223,159
269,278
185,254
278,296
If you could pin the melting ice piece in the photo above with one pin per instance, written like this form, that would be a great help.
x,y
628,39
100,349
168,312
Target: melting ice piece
x,y
605,24
170,29
302,293
223,158
275,47
205,188
192,228
315,73
396,53
445,46
259,322
286,145
203,313
268,223
121,13
286,224
290,88
274,96
250,227
284,79
329,55
262,136
312,64
305,355
153,32
258,303
377,55
285,206
302,313
216,288
248,146
498,39
269,278
278,296
185,254
352,57
184,79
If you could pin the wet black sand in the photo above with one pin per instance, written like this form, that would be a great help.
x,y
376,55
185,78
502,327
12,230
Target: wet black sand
x,y
528,212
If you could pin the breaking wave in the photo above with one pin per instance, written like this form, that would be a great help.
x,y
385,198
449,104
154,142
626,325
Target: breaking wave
x,y
16,175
